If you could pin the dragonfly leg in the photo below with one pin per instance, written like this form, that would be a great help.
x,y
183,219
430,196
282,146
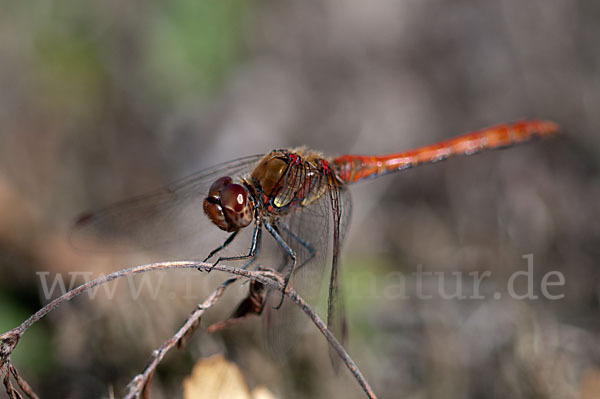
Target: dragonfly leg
x,y
304,243
275,233
284,262
254,249
256,239
222,246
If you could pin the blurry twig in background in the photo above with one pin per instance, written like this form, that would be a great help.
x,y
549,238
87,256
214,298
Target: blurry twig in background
x,y
139,386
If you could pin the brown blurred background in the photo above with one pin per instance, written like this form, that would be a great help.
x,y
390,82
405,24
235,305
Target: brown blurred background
x,y
104,100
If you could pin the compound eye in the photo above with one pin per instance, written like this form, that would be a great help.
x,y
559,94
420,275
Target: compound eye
x,y
218,185
234,197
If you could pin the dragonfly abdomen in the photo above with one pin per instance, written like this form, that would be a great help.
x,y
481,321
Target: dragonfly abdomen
x,y
353,168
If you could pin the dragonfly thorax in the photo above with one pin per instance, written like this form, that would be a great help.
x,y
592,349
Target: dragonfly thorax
x,y
285,179
227,205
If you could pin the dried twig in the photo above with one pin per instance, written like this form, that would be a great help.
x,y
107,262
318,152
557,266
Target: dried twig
x,y
22,383
18,331
140,384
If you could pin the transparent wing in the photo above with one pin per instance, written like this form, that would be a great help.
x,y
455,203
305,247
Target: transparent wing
x,y
306,231
341,205
310,231
308,234
170,215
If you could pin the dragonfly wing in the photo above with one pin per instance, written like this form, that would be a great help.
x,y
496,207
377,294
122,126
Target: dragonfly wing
x,y
341,208
306,230
158,219
312,234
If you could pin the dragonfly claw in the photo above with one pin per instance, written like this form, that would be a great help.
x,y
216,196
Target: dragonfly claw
x,y
285,285
210,269
280,302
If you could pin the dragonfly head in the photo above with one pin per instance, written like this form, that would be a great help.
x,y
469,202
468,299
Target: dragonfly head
x,y
227,205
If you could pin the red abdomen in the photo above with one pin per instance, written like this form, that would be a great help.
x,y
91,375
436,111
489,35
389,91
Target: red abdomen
x,y
352,168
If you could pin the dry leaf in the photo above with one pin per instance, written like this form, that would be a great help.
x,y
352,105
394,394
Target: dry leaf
x,y
216,378
261,392
590,384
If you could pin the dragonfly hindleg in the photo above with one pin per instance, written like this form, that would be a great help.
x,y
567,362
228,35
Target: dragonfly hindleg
x,y
275,233
311,250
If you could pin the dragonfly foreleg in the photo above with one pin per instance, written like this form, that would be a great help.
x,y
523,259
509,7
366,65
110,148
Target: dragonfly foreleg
x,y
256,239
275,233
222,246
254,248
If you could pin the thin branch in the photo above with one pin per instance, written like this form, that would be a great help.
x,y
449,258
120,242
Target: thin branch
x,y
116,275
22,383
141,383
9,340
10,390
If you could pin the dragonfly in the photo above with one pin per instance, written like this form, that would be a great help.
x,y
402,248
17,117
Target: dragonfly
x,y
298,197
